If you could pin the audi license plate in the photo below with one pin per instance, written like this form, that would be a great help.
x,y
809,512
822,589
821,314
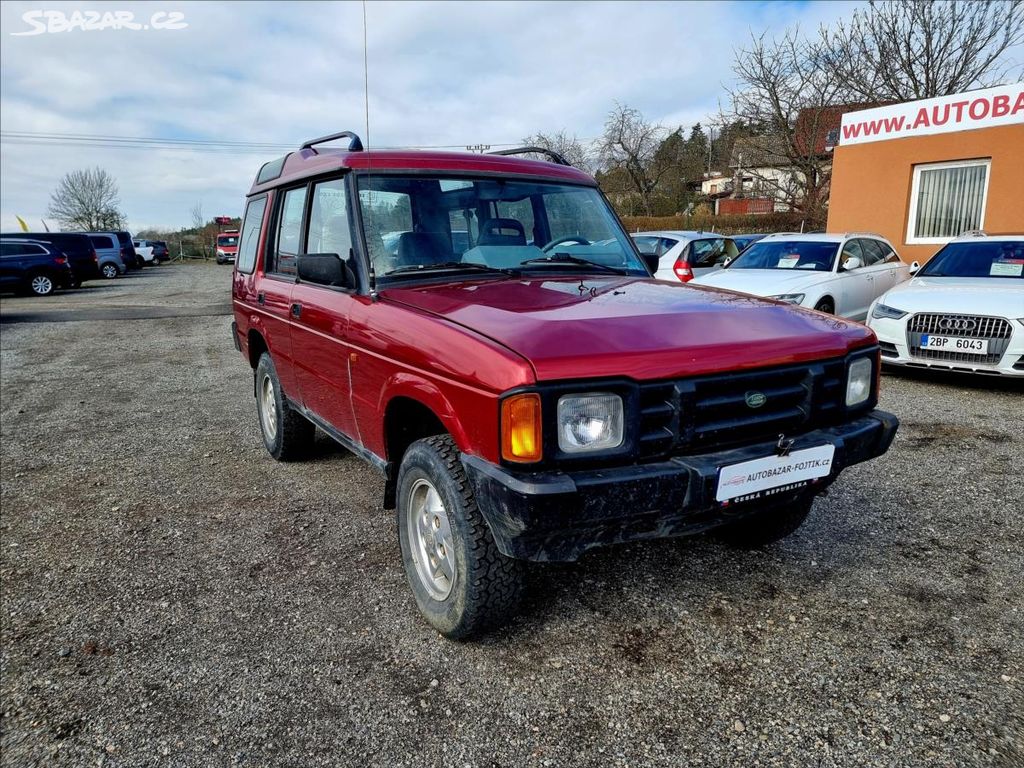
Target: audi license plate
x,y
954,344
762,477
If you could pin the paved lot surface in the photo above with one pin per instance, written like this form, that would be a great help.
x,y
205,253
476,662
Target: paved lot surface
x,y
173,597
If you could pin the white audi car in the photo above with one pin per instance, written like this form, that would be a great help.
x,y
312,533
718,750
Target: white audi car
x,y
838,274
964,310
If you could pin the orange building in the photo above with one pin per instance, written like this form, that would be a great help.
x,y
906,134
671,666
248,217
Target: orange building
x,y
923,172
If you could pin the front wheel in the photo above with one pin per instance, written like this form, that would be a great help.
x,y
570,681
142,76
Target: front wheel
x,y
461,582
827,306
769,524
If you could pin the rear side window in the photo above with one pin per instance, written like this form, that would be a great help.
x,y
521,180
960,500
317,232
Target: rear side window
x,y
12,249
707,253
884,253
249,239
288,239
102,241
872,252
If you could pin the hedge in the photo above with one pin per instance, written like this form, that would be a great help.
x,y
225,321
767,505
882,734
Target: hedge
x,y
733,224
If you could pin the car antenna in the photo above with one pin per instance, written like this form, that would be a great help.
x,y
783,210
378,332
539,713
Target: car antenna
x,y
371,272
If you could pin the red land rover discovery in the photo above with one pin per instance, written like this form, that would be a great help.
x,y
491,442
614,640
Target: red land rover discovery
x,y
481,330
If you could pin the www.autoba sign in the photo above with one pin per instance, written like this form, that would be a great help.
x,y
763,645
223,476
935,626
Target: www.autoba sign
x,y
1003,105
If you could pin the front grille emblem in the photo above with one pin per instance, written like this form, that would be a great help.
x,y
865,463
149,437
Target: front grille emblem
x,y
958,324
755,399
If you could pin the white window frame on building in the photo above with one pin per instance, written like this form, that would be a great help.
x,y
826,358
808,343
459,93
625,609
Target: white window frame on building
x,y
915,191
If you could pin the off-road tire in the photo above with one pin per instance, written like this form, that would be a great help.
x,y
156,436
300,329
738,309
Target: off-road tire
x,y
827,306
294,434
770,524
488,586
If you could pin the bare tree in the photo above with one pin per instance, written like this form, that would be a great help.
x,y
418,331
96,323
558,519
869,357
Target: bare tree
x,y
784,95
901,50
565,144
198,221
87,200
631,143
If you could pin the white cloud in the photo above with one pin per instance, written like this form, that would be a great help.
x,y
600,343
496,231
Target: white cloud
x,y
440,73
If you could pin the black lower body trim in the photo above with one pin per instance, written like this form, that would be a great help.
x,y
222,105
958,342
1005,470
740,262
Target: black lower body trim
x,y
552,516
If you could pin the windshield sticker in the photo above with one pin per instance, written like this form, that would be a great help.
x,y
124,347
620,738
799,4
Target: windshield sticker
x,y
1013,268
788,262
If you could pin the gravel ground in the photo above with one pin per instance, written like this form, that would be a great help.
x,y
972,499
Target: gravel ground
x,y
173,597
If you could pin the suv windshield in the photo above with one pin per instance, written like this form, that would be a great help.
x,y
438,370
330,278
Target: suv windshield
x,y
230,240
422,224
780,254
994,258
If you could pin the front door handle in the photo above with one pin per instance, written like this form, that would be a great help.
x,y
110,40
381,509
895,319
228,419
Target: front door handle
x,y
296,310
261,298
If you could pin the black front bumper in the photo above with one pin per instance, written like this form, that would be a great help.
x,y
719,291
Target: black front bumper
x,y
549,516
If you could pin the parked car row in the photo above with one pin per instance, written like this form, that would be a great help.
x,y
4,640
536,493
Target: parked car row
x,y
34,262
964,310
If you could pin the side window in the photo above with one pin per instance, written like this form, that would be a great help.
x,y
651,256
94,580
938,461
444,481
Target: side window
x,y
33,249
852,250
328,220
250,238
521,211
872,253
289,232
13,249
464,229
888,255
705,253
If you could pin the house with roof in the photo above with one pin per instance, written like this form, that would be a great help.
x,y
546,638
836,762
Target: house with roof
x,y
770,172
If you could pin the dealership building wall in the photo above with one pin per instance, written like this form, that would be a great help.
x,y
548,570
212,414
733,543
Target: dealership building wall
x,y
919,189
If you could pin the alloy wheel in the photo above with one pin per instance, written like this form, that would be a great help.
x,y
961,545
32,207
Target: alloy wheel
x,y
430,537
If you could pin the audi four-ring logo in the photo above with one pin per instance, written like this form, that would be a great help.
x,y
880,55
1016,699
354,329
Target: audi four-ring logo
x,y
958,324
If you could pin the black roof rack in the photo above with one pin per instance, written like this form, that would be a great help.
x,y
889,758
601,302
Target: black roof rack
x,y
355,144
533,151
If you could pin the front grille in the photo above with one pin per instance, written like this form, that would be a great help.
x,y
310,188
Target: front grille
x,y
711,412
996,330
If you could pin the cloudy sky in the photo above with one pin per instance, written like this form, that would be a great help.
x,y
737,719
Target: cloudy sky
x,y
440,73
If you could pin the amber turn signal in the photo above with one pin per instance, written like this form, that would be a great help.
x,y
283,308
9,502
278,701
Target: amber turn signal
x,y
520,428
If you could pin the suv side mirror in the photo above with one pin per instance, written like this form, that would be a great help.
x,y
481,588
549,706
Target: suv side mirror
x,y
852,262
914,267
325,269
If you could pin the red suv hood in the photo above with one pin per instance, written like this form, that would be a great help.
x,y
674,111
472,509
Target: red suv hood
x,y
638,328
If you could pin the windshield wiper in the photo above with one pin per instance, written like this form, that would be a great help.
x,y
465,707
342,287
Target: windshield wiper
x,y
568,258
446,265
